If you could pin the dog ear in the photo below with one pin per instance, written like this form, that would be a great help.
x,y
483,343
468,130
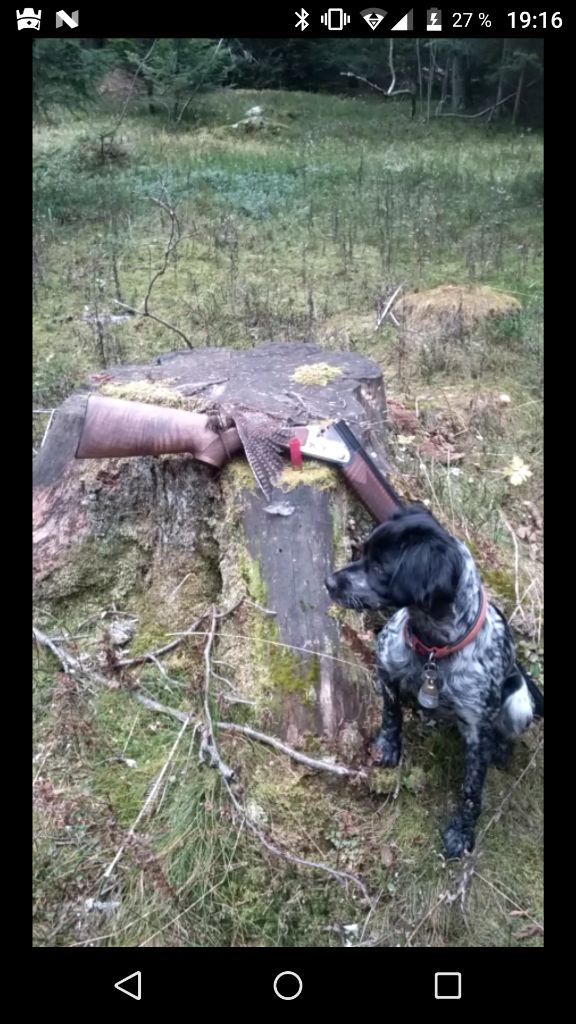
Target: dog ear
x,y
427,571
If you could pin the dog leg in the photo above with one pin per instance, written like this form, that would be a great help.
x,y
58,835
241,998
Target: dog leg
x,y
459,836
388,743
502,750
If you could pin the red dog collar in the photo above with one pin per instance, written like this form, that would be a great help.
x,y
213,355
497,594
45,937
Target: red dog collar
x,y
442,652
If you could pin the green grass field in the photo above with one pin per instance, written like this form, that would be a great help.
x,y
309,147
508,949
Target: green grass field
x,y
303,232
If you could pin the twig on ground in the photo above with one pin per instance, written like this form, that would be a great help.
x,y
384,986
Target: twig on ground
x,y
72,666
274,643
180,637
465,877
260,737
165,649
509,899
208,744
149,802
309,762
507,795
341,876
442,899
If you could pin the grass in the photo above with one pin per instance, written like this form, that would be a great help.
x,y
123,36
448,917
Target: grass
x,y
291,235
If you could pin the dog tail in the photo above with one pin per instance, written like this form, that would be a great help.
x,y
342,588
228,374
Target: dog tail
x,y
535,692
536,695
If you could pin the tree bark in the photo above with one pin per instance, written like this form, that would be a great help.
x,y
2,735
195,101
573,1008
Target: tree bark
x,y
163,538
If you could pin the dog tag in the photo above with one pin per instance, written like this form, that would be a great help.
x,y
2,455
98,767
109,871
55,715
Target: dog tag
x,y
428,694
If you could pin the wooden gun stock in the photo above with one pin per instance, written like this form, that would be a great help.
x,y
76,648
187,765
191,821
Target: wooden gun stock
x,y
114,428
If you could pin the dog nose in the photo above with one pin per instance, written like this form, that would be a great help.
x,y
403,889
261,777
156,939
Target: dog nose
x,y
331,583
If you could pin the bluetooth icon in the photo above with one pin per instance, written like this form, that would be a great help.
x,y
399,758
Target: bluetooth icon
x,y
302,23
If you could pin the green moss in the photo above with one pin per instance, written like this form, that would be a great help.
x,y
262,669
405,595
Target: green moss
x,y
146,391
238,476
148,637
501,581
289,672
311,474
124,786
316,373
97,570
250,573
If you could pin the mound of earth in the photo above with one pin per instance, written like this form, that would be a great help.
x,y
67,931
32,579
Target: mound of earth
x,y
120,85
453,306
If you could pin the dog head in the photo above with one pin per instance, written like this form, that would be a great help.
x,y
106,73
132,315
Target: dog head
x,y
408,561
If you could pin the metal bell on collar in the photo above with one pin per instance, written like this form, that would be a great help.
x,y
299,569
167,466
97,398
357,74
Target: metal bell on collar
x,y
428,696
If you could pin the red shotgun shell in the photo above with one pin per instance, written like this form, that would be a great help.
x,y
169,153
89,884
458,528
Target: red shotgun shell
x,y
295,453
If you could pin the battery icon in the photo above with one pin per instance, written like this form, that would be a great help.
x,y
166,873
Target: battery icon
x,y
335,19
433,20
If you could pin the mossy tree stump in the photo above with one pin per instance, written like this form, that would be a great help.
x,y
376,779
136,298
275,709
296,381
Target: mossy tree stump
x,y
164,537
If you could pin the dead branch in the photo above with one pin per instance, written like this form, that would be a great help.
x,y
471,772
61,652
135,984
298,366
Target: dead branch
x,y
208,744
153,655
491,108
388,307
72,666
310,762
173,242
372,85
68,663
191,631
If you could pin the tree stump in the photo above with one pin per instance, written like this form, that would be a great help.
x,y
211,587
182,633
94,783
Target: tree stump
x,y
163,538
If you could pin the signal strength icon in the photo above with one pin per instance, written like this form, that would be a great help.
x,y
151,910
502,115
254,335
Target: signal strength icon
x,y
406,24
373,16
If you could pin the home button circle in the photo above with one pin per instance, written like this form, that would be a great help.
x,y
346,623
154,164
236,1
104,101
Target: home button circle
x,y
287,985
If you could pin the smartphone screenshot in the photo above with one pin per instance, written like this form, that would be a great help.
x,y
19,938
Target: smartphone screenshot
x,y
288,608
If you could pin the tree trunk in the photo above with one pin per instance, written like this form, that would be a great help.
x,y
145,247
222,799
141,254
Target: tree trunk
x,y
164,538
458,83
497,109
420,82
431,69
518,97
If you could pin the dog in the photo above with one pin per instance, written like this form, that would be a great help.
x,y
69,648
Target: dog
x,y
447,648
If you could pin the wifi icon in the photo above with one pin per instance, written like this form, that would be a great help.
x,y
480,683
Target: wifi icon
x,y
373,16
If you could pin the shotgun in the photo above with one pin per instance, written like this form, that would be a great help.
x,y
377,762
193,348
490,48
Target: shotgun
x,y
116,428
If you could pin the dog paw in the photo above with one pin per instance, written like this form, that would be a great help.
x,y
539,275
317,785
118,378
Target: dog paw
x,y
457,840
502,753
386,750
